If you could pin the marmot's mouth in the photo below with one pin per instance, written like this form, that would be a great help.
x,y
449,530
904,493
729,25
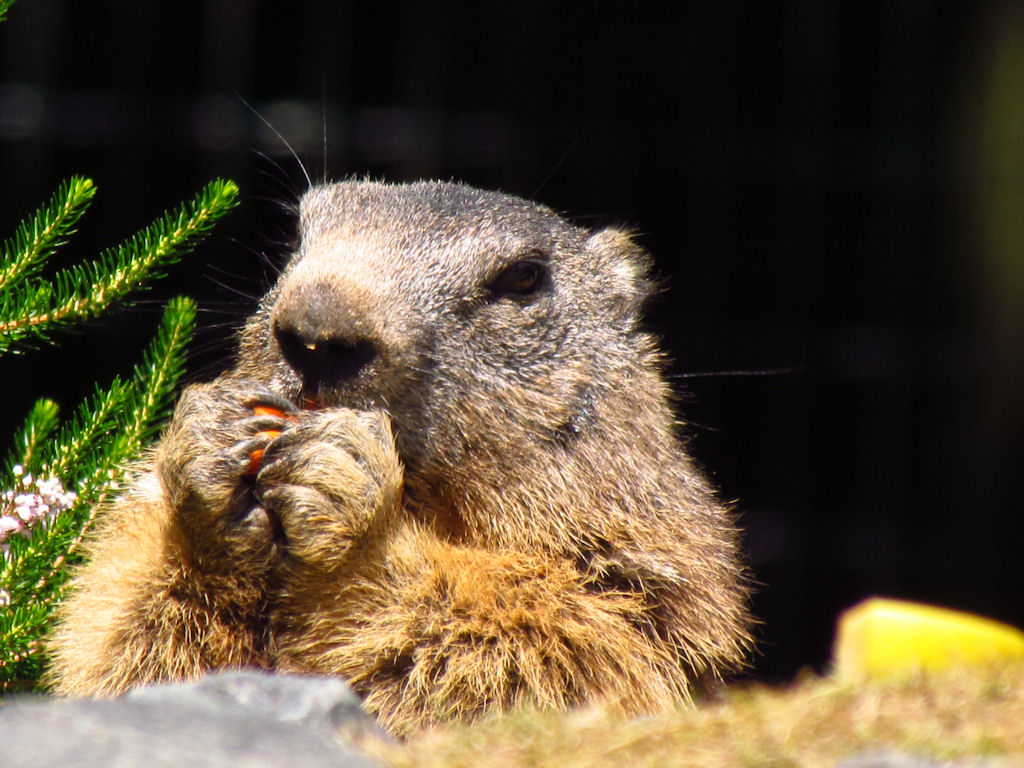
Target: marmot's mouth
x,y
310,402
315,400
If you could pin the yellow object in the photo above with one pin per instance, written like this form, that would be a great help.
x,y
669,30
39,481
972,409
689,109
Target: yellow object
x,y
889,638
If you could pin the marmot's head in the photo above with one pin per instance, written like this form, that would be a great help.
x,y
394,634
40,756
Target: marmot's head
x,y
460,312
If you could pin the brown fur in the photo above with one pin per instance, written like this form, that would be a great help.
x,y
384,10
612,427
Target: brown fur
x,y
487,507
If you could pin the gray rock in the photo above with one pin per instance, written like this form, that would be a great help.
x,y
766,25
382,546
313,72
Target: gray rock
x,y
242,719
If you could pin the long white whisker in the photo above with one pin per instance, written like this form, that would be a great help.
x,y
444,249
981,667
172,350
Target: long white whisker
x,y
277,133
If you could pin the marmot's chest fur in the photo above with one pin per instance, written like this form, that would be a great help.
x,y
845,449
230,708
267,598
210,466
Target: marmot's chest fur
x,y
444,467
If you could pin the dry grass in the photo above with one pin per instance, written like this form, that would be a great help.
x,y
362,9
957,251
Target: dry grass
x,y
959,715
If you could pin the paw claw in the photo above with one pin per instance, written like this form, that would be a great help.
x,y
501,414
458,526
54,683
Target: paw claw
x,y
266,402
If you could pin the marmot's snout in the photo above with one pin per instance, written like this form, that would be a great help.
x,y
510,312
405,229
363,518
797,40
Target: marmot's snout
x,y
323,335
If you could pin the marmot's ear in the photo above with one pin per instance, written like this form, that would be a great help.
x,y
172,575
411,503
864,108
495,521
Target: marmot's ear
x,y
626,266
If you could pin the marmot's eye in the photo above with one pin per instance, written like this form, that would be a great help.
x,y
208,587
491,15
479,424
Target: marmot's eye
x,y
521,278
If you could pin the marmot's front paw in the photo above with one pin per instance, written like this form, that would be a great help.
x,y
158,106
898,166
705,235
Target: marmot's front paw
x,y
207,463
333,481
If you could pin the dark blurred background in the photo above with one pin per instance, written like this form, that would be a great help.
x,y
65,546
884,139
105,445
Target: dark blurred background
x,y
833,191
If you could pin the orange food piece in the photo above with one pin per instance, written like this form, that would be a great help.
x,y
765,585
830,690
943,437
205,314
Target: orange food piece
x,y
254,460
265,410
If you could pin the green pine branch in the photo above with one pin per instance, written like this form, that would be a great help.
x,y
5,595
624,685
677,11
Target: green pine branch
x,y
84,291
36,239
5,5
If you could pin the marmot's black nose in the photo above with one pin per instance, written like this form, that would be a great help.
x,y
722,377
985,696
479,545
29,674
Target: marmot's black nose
x,y
328,361
321,338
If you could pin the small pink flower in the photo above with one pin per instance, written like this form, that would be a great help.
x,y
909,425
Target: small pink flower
x,y
35,500
9,525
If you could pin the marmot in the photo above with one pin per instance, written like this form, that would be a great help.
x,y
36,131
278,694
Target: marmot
x,y
444,467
